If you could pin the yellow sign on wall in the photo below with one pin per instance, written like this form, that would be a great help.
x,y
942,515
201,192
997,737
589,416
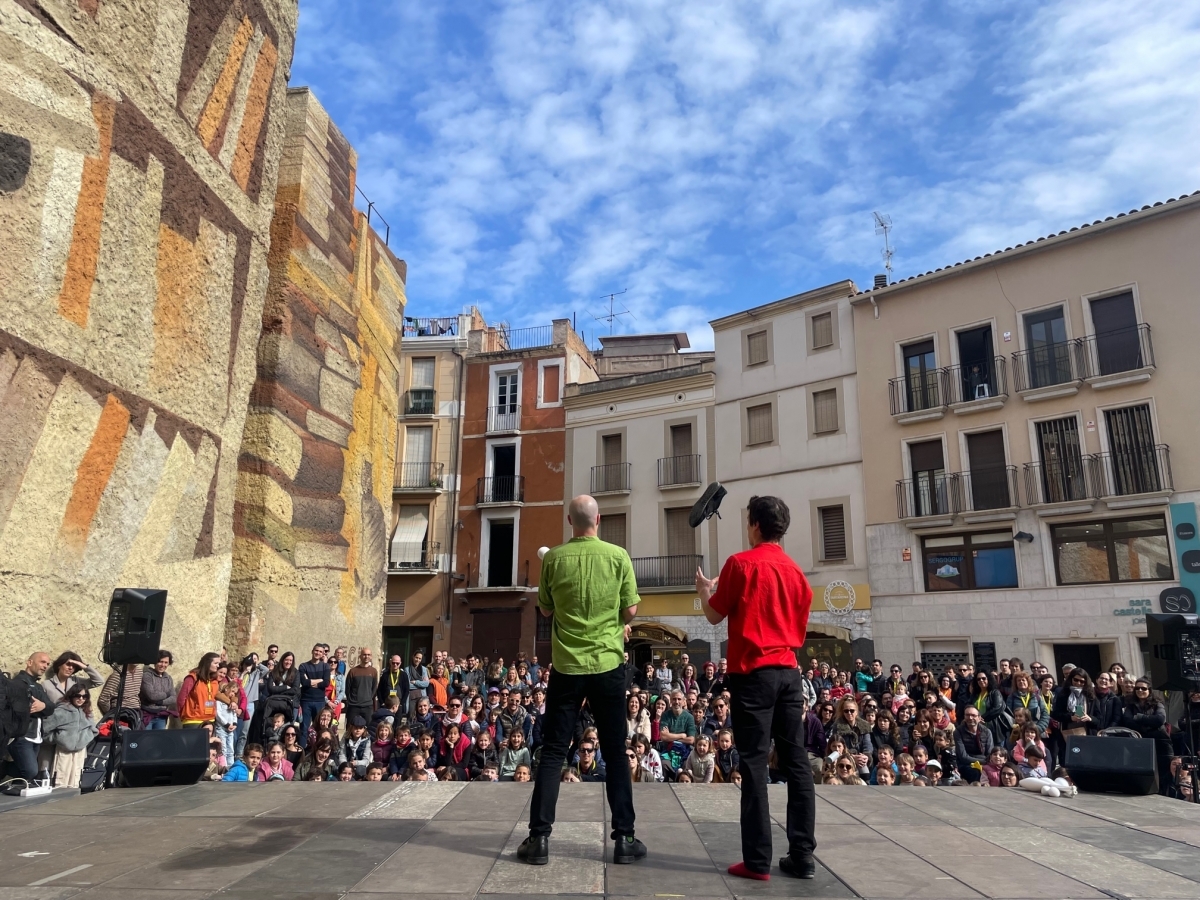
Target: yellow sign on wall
x,y
838,597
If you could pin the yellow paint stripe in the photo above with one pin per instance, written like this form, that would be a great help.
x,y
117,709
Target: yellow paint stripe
x,y
256,109
214,107
76,295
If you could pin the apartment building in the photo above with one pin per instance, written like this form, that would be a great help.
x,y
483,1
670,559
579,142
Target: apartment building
x,y
422,549
512,465
641,442
787,424
1028,422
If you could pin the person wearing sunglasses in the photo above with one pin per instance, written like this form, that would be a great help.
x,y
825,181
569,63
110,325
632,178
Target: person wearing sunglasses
x,y
1146,713
767,600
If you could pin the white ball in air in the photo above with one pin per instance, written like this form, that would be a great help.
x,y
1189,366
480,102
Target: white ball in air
x,y
542,551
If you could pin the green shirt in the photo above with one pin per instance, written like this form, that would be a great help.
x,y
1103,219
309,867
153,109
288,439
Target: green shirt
x,y
684,723
586,583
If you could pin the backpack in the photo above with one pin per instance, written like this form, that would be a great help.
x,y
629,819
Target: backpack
x,y
14,709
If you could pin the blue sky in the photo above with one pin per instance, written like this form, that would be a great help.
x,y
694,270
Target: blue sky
x,y
712,155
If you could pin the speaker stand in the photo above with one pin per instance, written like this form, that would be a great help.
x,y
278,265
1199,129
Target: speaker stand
x,y
1191,758
116,727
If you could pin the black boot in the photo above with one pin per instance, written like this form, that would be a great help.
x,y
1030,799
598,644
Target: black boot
x,y
805,867
628,850
535,850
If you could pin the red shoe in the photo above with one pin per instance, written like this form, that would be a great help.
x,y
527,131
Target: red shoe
x,y
740,870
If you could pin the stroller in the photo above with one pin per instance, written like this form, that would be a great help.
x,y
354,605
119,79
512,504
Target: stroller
x,y
96,761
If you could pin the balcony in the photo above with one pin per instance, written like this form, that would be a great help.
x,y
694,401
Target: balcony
x,y
1051,370
415,558
500,490
978,386
933,498
679,471
420,402
501,338
418,327
504,419
418,477
1115,358
1061,486
988,494
611,479
1138,477
666,571
920,398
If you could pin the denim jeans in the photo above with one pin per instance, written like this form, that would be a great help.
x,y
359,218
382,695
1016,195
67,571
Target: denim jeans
x,y
157,723
309,710
243,731
24,756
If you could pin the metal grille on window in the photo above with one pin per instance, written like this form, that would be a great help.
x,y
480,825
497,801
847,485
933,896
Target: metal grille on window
x,y
758,424
833,532
822,331
825,411
612,528
756,348
1062,460
1131,442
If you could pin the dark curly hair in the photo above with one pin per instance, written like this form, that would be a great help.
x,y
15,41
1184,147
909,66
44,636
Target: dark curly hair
x,y
771,515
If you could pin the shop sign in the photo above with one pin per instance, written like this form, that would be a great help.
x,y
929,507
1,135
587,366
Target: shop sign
x,y
840,597
1177,600
1137,609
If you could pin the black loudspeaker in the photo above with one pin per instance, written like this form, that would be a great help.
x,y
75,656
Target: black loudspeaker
x,y
1174,651
1111,764
154,758
135,617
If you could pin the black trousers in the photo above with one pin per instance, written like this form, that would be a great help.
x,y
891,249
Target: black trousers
x,y
605,694
768,703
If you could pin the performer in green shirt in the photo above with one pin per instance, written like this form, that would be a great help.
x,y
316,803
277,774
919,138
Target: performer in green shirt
x,y
588,586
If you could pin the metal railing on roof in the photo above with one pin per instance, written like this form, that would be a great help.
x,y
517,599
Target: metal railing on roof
x,y
371,211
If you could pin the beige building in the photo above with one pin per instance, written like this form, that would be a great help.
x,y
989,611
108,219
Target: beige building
x,y
425,490
787,424
1028,422
641,441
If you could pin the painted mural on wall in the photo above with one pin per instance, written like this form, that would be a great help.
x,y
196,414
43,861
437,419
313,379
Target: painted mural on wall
x,y
315,473
139,143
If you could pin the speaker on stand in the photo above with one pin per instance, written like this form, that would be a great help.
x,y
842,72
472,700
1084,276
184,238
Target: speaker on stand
x,y
1174,641
131,637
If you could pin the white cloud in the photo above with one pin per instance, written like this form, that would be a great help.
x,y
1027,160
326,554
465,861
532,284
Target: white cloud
x,y
532,154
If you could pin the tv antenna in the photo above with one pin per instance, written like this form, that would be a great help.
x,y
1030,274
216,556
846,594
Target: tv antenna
x,y
613,312
883,225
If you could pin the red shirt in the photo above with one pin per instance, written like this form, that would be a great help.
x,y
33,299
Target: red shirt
x,y
767,599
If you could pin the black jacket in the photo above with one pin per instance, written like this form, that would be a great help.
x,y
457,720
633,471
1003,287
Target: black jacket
x,y
386,688
1148,721
1107,712
310,671
33,690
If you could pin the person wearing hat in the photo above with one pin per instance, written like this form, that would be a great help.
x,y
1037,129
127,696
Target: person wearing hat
x,y
933,772
356,745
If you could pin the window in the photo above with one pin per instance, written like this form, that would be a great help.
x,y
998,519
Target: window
x,y
408,540
825,411
613,529
1118,348
976,378
416,471
681,440
989,474
963,562
423,369
921,377
1112,551
757,348
1062,477
930,493
506,392
822,330
681,537
1049,351
833,532
612,449
1133,463
500,552
759,428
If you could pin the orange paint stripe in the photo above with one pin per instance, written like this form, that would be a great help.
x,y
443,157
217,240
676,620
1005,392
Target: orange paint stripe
x,y
256,109
94,471
214,107
76,294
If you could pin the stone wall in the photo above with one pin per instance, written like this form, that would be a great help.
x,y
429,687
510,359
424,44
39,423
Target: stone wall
x,y
315,473
139,142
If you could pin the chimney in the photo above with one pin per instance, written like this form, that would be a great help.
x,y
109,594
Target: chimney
x,y
880,282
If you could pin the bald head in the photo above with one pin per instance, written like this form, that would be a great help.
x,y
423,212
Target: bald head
x,y
583,514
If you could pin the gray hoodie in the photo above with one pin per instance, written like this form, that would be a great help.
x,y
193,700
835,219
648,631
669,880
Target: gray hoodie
x,y
69,729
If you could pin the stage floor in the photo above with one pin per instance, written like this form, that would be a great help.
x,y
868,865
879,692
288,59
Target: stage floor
x,y
441,841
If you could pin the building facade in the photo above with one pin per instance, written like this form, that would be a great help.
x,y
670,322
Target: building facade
x,y
511,502
787,424
641,441
423,537
1027,429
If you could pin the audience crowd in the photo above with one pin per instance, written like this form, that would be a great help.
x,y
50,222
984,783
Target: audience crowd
x,y
332,719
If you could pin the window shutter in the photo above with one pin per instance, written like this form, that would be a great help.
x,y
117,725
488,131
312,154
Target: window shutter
x,y
758,424
681,440
833,532
825,411
550,387
612,529
681,537
612,449
756,348
822,331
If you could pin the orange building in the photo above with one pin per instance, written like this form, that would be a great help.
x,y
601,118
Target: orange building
x,y
513,452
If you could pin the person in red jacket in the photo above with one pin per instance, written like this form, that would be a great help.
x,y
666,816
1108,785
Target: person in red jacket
x,y
767,599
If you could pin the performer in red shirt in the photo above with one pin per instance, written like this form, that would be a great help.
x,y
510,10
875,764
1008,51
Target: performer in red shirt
x,y
767,600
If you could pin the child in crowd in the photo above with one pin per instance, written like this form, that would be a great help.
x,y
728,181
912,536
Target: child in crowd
x,y
883,760
906,769
996,760
274,767
920,755
383,745
884,776
514,754
491,772
401,750
700,762
215,770
684,777
427,748
727,759
374,772
356,748
346,772
521,773
1029,735
1016,736
648,757
226,721
70,728
1033,761
483,756
570,775
274,730
246,768
416,766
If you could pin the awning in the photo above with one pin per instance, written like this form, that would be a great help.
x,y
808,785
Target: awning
x,y
408,540
658,633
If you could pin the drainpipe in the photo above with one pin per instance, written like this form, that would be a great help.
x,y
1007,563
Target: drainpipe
x,y
452,507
